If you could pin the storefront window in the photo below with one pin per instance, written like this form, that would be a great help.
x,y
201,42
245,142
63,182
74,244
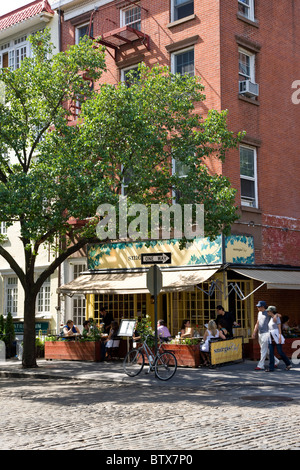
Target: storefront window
x,y
120,306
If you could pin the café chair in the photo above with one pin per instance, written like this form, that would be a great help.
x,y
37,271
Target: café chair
x,y
113,350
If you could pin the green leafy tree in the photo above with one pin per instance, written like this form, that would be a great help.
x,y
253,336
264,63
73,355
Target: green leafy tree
x,y
33,195
61,171
2,325
9,330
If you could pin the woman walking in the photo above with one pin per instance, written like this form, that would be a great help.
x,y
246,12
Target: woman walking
x,y
276,339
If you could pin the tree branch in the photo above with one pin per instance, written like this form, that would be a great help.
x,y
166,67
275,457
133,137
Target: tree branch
x,y
14,265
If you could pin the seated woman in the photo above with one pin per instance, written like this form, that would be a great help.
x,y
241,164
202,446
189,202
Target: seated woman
x,y
186,330
222,327
212,332
109,341
162,331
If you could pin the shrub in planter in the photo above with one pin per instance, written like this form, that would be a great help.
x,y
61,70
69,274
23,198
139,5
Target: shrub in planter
x,y
9,335
2,326
39,347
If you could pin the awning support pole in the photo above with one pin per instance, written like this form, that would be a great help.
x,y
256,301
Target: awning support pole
x,y
238,291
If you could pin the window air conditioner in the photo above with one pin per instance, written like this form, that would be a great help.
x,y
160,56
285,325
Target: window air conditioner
x,y
248,88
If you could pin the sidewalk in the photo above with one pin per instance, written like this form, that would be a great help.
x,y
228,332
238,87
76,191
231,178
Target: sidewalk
x,y
239,374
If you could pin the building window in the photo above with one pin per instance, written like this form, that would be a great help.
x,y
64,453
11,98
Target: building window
x,y
127,177
183,62
83,30
181,9
246,65
43,298
247,85
3,228
131,17
248,172
121,306
78,310
78,269
181,170
246,8
11,304
12,53
129,73
78,301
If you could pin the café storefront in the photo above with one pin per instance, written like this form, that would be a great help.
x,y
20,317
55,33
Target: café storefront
x,y
200,277
194,283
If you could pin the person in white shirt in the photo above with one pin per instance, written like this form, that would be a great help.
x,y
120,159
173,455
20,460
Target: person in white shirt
x,y
162,330
276,339
262,330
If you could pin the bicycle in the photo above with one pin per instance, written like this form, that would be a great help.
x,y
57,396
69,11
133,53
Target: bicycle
x,y
164,364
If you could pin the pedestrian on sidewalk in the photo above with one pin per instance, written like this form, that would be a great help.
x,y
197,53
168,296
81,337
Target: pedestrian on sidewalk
x,y
276,339
262,329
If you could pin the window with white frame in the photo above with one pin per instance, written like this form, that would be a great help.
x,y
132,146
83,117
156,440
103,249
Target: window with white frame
x,y
181,8
3,228
246,8
247,84
246,65
129,72
43,298
78,301
127,175
11,295
78,309
78,268
181,170
13,52
183,62
131,16
83,30
248,174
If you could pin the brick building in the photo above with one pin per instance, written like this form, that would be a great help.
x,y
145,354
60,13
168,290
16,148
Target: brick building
x,y
246,53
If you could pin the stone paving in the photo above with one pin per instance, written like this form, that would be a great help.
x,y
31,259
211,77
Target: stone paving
x,y
61,414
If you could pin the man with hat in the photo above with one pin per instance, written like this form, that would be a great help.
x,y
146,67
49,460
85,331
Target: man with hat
x,y
262,328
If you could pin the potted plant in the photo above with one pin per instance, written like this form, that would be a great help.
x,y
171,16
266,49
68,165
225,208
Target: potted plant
x,y
9,336
187,352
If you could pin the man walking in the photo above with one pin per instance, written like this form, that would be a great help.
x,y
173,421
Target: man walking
x,y
262,328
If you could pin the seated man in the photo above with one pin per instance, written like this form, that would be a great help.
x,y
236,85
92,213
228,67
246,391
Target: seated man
x,y
70,330
162,331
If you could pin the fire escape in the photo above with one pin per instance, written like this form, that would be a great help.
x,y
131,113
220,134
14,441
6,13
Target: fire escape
x,y
113,40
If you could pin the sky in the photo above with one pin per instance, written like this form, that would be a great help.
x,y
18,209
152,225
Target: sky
x,y
10,5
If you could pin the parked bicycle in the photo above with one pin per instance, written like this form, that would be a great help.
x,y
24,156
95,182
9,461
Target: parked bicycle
x,y
164,364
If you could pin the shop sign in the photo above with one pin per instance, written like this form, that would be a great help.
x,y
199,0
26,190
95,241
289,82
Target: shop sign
x,y
39,326
202,251
229,350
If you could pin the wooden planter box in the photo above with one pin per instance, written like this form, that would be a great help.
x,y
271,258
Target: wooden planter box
x,y
186,355
73,350
252,349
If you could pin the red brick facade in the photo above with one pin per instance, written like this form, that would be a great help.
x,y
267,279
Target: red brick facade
x,y
217,31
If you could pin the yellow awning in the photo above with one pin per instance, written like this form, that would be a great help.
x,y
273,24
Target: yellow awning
x,y
275,279
135,282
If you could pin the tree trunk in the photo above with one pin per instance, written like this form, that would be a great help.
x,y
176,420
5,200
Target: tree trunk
x,y
29,353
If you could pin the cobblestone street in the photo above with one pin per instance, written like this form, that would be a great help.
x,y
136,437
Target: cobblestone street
x,y
68,414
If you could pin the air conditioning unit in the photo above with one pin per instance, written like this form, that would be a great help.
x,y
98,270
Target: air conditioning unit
x,y
248,88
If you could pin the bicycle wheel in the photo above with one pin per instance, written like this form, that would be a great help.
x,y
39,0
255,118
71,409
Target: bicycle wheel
x,y
165,366
133,362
